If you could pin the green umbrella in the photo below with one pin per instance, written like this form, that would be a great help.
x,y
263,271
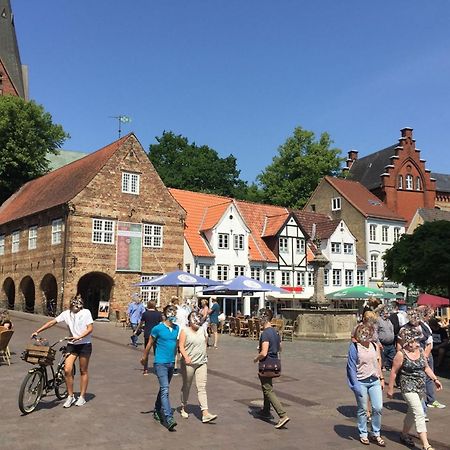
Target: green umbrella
x,y
359,292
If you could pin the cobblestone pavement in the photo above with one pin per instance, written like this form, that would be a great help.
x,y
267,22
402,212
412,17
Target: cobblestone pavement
x,y
120,400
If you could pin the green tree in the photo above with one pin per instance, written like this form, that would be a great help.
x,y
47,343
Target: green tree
x,y
185,165
27,134
422,259
297,169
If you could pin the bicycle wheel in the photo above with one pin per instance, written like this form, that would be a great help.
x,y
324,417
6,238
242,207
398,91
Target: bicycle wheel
x,y
60,383
31,391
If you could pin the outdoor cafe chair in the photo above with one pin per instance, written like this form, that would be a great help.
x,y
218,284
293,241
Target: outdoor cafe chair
x,y
251,328
288,331
243,327
5,337
232,326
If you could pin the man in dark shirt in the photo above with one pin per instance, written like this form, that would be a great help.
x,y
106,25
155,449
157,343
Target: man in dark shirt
x,y
150,318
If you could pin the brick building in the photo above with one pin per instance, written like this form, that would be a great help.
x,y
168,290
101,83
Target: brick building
x,y
13,75
93,227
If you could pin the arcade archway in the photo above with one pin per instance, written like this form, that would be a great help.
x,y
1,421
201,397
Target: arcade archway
x,y
9,288
28,291
49,289
94,287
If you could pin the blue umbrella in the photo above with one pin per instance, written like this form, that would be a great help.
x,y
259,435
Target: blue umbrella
x,y
242,283
178,279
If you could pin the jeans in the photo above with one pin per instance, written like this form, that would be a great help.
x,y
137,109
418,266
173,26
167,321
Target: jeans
x,y
270,397
134,338
164,372
388,355
370,388
429,387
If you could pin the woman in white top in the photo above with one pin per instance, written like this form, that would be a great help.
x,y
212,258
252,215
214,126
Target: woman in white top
x,y
80,324
192,344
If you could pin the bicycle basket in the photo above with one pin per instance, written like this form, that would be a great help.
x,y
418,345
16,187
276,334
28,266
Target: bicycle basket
x,y
39,354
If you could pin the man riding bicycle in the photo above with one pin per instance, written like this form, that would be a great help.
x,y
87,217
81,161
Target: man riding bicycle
x,y
80,324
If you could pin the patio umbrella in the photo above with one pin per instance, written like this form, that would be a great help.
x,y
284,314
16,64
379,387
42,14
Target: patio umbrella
x,y
242,283
178,279
359,292
433,300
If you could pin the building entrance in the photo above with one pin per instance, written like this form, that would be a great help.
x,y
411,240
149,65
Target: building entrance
x,y
94,288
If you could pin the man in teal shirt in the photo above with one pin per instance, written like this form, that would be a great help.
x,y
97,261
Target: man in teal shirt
x,y
164,337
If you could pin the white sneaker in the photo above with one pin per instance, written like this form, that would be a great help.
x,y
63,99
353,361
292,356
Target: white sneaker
x,y
184,414
69,401
80,402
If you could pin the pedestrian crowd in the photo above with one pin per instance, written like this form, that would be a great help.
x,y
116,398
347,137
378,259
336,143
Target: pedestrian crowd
x,y
391,339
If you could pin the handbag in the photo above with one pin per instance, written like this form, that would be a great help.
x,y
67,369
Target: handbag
x,y
270,367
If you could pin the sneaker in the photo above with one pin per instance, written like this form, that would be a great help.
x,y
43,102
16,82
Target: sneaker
x,y
80,402
69,401
427,419
157,416
282,422
145,372
176,372
171,424
184,414
209,418
261,414
435,404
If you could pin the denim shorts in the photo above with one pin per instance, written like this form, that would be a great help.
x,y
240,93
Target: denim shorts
x,y
80,349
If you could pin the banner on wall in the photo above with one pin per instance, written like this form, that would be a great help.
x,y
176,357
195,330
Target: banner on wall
x,y
129,247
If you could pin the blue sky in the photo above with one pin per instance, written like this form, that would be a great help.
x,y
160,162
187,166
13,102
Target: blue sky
x,y
240,75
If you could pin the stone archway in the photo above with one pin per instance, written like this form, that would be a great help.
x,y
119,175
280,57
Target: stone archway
x,y
93,288
49,289
9,288
28,290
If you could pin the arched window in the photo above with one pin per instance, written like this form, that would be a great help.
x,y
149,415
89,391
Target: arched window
x,y
409,182
400,182
418,184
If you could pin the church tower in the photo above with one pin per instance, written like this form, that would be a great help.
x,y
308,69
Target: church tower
x,y
13,75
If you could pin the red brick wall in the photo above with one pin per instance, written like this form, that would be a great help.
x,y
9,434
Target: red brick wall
x,y
6,87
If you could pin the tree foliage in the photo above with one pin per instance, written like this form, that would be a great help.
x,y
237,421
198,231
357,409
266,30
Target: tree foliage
x,y
27,134
297,169
185,165
422,259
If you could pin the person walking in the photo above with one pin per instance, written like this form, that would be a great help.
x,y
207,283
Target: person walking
x,y
164,337
386,337
214,319
135,311
269,349
80,324
365,379
149,320
192,345
411,362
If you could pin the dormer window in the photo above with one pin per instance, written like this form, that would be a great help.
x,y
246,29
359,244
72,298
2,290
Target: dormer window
x,y
409,182
223,240
400,182
336,204
130,183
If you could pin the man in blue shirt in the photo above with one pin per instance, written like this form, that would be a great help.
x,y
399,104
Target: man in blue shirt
x,y
135,311
214,319
164,337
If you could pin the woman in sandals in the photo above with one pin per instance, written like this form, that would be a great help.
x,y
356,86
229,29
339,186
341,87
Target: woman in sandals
x,y
412,365
366,380
192,346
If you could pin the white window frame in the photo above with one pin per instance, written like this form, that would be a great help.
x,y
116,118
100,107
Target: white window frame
x,y
223,241
310,278
283,245
15,241
2,244
372,232
270,276
335,247
150,292
130,183
32,237
238,242
255,273
348,277
385,234
152,235
57,227
300,246
222,272
374,266
300,278
400,182
336,204
337,275
204,270
285,278
103,231
418,184
348,248
360,277
326,277
239,271
409,182
397,234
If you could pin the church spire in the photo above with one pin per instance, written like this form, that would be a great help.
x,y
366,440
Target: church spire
x,y
13,76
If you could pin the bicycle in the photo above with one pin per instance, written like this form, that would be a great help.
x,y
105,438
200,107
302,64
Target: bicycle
x,y
38,382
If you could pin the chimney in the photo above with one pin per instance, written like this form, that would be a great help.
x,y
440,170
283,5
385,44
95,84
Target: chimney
x,y
352,157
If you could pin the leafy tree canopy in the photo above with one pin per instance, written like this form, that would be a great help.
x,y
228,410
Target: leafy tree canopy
x,y
185,165
422,259
297,169
27,134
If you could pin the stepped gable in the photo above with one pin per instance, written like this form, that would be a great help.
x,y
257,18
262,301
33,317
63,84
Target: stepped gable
x,y
362,199
57,187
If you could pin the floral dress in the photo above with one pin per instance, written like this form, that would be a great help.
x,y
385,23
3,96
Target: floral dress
x,y
412,374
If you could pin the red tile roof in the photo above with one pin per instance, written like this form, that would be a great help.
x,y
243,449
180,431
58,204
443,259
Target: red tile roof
x,y
273,224
362,199
213,215
324,230
57,187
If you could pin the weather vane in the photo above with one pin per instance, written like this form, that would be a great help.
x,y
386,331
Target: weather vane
x,y
121,119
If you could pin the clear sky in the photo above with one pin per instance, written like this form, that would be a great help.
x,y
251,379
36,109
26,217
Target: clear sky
x,y
240,75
